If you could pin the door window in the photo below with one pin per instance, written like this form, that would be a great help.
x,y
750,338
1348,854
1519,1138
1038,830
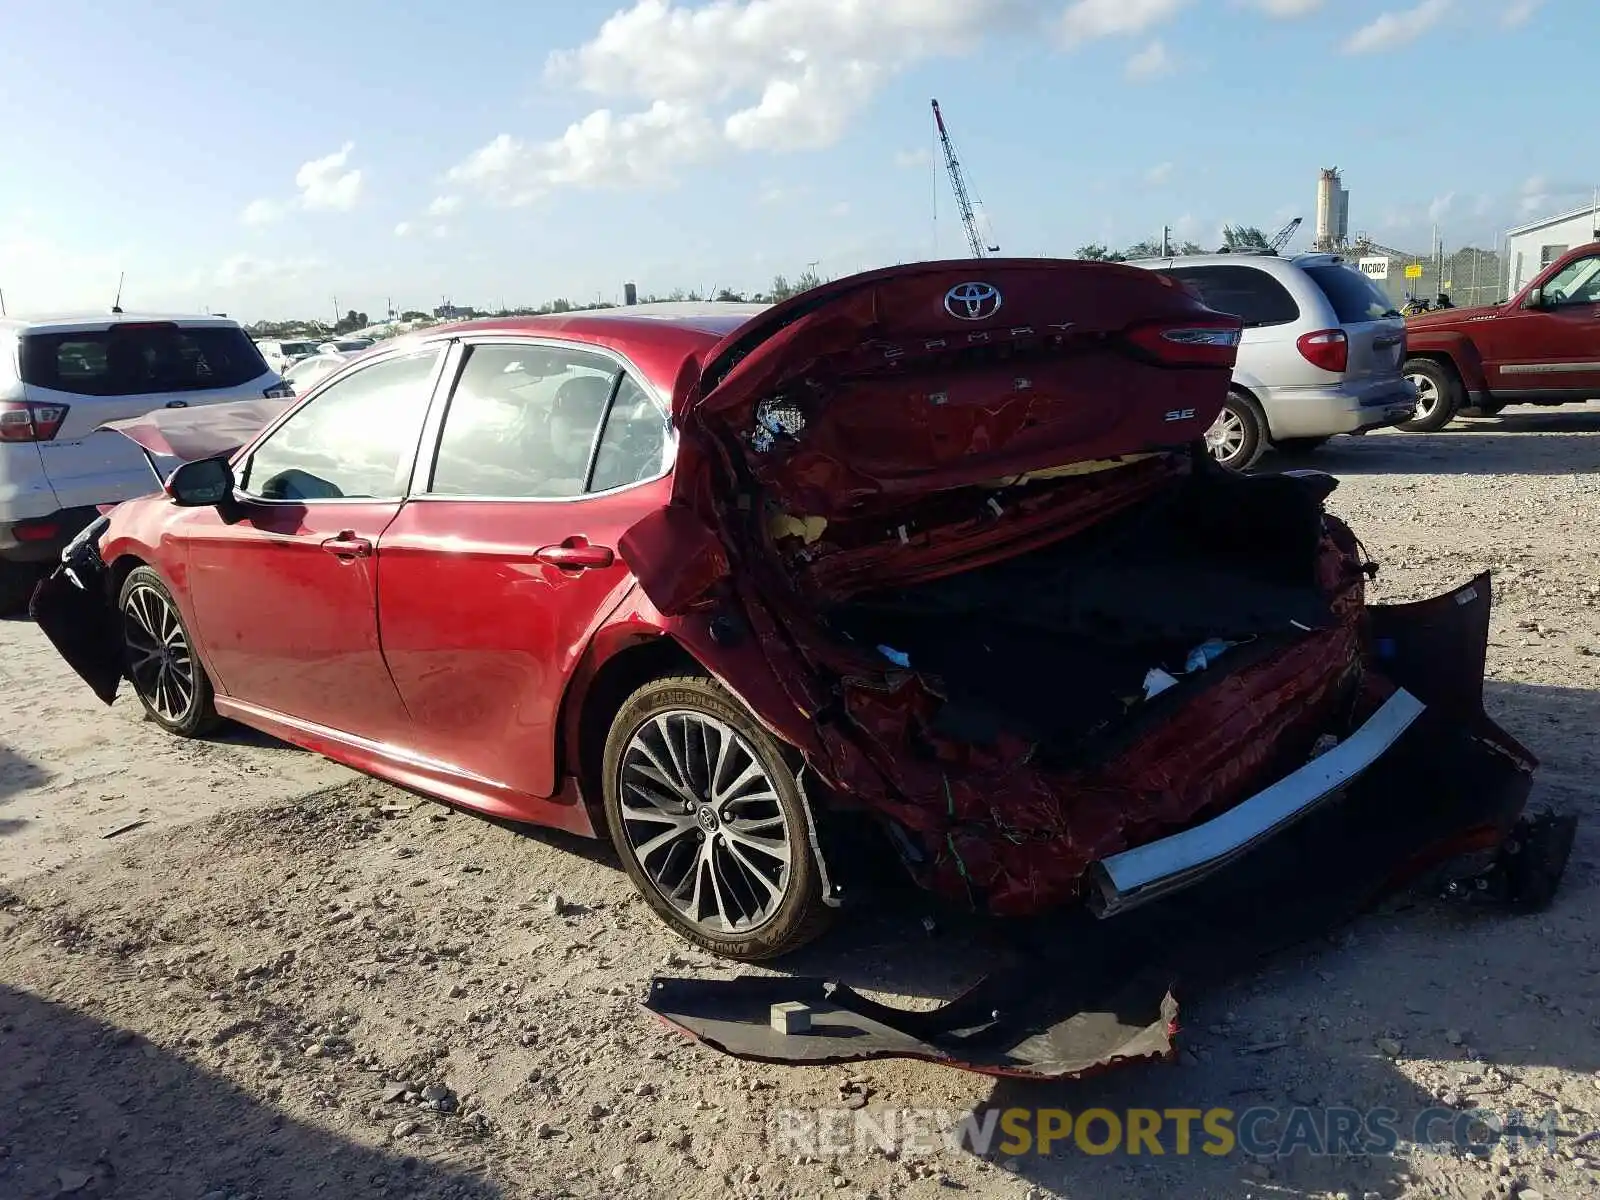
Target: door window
x,y
1576,283
522,424
354,440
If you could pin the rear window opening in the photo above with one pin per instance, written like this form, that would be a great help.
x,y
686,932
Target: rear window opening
x,y
1355,297
1253,296
137,360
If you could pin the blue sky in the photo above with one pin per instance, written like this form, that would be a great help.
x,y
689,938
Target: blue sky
x,y
262,160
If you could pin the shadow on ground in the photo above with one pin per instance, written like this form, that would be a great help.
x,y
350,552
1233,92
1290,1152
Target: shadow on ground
x,y
1522,441
17,774
92,1111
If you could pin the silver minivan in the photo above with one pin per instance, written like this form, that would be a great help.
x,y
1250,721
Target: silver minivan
x,y
1320,354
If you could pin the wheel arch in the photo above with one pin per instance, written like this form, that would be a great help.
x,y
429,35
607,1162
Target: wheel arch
x,y
604,679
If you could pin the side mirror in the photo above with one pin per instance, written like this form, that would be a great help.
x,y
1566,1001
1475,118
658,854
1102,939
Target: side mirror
x,y
1535,299
203,484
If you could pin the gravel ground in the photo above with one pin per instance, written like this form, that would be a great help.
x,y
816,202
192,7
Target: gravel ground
x,y
292,982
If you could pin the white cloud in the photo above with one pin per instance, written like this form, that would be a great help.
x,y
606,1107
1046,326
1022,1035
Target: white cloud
x,y
1391,30
1085,20
1159,174
602,150
1287,8
246,271
906,159
686,83
261,212
1440,206
1518,12
403,229
1150,63
443,206
325,184
841,209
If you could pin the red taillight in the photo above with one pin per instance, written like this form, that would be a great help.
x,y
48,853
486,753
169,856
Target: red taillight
x,y
1188,343
1326,348
37,530
24,421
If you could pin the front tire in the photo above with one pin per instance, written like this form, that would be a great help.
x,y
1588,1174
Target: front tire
x,y
1438,395
160,660
706,814
1239,434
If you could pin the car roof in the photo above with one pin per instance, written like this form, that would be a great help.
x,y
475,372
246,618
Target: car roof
x,y
76,322
656,338
1266,262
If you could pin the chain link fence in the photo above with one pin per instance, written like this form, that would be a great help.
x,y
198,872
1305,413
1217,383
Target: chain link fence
x,y
1469,276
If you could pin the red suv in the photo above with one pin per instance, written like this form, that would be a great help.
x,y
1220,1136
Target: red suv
x,y
938,546
1540,347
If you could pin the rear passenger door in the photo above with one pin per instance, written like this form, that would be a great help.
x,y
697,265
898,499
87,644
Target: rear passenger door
x,y
503,562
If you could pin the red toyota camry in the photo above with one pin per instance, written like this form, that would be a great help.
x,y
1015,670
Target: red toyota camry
x,y
938,546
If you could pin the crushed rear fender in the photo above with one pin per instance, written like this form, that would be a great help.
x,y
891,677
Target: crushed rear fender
x,y
1443,805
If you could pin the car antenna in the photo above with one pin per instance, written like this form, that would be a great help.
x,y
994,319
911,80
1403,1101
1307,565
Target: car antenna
x,y
116,304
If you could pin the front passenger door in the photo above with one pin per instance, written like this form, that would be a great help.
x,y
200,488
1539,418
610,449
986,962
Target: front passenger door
x,y
1551,352
285,596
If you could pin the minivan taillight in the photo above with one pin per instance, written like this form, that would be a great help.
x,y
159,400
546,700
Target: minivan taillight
x,y
1326,348
25,421
1188,343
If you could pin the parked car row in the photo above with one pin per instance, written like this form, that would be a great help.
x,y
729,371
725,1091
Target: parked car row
x,y
1325,352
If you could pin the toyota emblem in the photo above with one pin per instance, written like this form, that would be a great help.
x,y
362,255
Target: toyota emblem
x,y
972,301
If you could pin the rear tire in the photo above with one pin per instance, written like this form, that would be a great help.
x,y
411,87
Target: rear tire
x,y
1239,434
160,659
1438,395
1300,445
707,816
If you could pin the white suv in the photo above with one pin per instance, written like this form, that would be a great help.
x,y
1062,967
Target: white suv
x,y
60,379
1320,355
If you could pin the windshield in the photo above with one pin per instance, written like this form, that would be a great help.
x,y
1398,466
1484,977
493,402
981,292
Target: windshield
x,y
1355,297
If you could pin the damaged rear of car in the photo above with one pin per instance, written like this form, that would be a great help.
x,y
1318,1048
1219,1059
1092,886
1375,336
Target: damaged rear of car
x,y
1022,617
1017,612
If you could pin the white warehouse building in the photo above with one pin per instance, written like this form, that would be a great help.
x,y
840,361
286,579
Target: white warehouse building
x,y
1531,248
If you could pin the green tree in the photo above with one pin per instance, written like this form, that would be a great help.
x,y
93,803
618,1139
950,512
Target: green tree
x,y
782,289
1096,252
1243,237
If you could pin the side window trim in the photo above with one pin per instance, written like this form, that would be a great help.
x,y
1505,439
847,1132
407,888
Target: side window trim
x,y
246,457
600,431
433,425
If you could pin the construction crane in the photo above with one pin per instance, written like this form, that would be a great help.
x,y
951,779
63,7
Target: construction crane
x,y
958,184
1281,239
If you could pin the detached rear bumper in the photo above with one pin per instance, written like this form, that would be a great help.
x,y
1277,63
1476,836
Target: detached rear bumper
x,y
1439,802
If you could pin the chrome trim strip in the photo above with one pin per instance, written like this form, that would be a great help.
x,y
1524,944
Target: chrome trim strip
x,y
1555,368
1144,873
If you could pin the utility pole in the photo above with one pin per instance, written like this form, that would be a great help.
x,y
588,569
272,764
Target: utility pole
x,y
336,310
1166,241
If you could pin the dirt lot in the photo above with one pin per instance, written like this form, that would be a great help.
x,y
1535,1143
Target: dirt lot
x,y
251,994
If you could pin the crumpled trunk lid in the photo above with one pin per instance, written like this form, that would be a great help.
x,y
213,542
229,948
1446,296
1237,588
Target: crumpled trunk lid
x,y
866,412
